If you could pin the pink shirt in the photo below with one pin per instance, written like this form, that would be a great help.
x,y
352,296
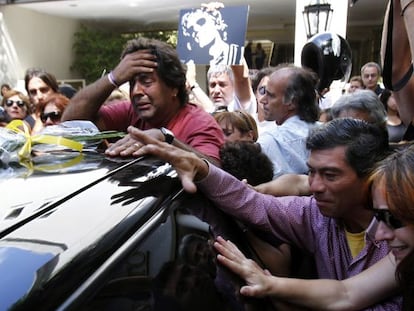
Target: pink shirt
x,y
192,125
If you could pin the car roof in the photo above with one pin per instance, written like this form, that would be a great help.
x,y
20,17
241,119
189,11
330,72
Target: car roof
x,y
50,219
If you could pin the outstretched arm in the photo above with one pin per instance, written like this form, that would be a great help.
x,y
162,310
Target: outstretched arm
x,y
360,291
131,143
189,166
287,184
86,103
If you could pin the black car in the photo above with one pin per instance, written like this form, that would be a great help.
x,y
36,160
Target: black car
x,y
88,232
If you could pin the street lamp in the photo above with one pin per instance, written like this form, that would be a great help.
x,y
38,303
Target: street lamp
x,y
317,17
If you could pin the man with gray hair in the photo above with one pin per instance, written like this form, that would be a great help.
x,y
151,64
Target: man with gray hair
x,y
289,99
371,73
230,88
364,105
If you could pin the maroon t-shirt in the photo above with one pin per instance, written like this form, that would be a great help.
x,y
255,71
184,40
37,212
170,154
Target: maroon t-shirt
x,y
192,125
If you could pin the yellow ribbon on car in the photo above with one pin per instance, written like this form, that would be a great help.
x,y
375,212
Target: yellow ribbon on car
x,y
21,127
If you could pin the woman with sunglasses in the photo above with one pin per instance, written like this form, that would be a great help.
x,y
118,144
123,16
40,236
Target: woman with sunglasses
x,y
17,107
393,205
51,110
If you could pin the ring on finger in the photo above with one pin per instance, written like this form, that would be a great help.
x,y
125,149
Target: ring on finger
x,y
137,145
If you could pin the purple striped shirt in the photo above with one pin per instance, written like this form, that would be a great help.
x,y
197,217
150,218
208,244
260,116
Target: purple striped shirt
x,y
297,221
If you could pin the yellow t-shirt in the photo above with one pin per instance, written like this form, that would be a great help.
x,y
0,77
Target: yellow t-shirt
x,y
356,242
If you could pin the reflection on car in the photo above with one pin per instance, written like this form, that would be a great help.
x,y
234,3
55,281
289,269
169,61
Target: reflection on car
x,y
113,234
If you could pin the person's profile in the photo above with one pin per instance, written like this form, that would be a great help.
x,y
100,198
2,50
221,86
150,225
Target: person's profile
x,y
212,36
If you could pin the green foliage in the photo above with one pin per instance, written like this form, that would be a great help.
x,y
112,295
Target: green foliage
x,y
96,51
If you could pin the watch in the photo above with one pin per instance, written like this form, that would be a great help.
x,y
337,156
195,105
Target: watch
x,y
168,135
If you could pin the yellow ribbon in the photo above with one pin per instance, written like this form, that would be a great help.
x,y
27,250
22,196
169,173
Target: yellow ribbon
x,y
21,127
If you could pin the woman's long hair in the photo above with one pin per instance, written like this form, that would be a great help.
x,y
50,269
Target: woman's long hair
x,y
396,172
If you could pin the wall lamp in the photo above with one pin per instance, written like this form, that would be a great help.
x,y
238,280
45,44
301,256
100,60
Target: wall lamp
x,y
317,17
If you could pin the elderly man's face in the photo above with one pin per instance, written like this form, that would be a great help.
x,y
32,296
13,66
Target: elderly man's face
x,y
221,89
274,106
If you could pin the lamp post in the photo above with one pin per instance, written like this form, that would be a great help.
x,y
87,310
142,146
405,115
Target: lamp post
x,y
317,17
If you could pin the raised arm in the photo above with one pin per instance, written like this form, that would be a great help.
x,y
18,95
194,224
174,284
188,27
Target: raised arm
x,y
242,84
86,103
287,184
365,289
200,96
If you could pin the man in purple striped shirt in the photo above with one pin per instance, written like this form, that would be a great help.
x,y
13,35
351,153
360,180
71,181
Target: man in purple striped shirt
x,y
334,224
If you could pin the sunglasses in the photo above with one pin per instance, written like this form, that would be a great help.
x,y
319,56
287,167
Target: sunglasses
x,y
54,116
10,103
387,218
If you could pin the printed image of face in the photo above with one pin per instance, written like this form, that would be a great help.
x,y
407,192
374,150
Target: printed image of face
x,y
203,27
204,30
15,108
400,240
38,90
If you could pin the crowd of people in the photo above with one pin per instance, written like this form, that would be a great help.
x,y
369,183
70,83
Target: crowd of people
x,y
335,183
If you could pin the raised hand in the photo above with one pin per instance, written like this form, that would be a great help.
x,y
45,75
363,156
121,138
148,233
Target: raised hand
x,y
142,61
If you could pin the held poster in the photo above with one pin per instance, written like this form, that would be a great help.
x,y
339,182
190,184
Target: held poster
x,y
212,37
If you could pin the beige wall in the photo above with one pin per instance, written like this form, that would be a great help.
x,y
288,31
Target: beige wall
x,y
41,40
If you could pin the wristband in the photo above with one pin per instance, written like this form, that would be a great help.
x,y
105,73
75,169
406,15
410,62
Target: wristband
x,y
112,79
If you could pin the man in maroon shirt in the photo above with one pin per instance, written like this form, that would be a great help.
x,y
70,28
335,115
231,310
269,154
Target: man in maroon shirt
x,y
158,103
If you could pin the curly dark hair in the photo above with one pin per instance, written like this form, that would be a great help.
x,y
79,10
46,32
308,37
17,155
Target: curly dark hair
x,y
170,69
245,160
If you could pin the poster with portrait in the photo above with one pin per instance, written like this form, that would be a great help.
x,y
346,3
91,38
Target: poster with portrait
x,y
212,37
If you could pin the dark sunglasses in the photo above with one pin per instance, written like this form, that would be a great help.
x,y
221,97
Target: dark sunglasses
x,y
10,103
54,116
389,219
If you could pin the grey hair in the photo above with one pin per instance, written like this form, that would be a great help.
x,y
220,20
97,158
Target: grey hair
x,y
217,70
372,64
363,100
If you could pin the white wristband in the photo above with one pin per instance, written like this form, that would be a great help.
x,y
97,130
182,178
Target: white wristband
x,y
112,79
